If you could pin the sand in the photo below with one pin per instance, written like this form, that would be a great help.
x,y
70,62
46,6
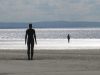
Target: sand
x,y
50,62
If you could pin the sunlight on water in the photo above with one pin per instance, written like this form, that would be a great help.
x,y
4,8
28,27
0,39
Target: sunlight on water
x,y
19,34
51,39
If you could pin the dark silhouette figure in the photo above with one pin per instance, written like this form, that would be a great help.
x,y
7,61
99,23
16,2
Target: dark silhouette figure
x,y
30,37
68,37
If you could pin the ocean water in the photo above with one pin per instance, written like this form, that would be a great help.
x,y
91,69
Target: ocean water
x,y
52,39
19,34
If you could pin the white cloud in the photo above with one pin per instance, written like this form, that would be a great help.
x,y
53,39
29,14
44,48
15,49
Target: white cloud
x,y
48,10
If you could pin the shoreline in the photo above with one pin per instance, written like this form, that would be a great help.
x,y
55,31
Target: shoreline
x,y
53,44
51,49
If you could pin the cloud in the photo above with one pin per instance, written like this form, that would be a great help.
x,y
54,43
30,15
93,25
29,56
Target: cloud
x,y
49,10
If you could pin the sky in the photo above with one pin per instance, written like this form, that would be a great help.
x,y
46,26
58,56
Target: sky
x,y
49,10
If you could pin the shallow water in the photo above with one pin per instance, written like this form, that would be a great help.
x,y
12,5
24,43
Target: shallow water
x,y
19,34
52,39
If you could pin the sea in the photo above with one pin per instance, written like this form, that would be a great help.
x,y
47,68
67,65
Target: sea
x,y
51,38
51,33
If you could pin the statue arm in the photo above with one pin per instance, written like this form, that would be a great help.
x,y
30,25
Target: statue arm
x,y
35,37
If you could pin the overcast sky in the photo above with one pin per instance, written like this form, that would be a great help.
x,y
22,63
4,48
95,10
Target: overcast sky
x,y
49,10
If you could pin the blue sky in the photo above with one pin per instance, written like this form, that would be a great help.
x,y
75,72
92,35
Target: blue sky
x,y
49,10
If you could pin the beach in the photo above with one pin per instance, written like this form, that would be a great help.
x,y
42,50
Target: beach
x,y
53,54
65,35
50,62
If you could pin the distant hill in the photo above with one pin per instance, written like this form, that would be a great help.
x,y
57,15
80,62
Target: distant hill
x,y
55,24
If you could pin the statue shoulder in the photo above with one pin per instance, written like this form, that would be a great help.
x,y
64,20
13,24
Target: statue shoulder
x,y
33,30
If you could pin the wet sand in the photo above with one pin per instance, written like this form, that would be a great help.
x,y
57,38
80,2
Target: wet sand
x,y
50,62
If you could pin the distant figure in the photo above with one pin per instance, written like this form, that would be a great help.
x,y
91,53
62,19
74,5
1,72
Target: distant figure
x,y
68,37
30,37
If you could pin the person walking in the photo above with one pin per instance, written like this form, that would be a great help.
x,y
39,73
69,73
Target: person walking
x,y
30,39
